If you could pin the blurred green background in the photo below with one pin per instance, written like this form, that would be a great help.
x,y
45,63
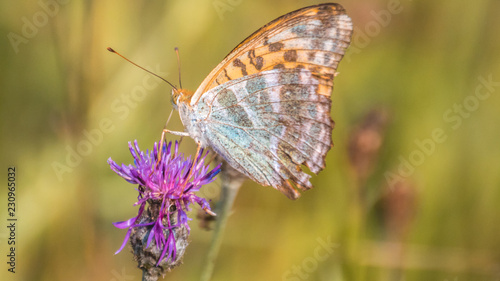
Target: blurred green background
x,y
411,188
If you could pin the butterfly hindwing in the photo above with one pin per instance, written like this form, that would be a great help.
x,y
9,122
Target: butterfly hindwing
x,y
268,124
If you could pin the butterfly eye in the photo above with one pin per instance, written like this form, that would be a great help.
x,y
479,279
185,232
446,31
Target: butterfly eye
x,y
175,97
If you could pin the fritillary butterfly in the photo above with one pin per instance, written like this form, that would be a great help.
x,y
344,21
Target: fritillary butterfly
x,y
266,107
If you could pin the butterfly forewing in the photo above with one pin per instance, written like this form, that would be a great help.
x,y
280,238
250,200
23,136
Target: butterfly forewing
x,y
266,107
314,38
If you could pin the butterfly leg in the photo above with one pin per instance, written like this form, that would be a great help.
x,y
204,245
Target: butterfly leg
x,y
196,156
182,134
162,138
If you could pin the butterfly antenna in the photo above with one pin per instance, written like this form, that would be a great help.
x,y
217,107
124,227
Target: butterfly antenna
x,y
178,65
154,74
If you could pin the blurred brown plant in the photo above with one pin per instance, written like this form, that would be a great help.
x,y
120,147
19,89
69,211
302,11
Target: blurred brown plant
x,y
365,142
398,208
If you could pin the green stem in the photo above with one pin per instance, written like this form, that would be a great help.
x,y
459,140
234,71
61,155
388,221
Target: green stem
x,y
231,183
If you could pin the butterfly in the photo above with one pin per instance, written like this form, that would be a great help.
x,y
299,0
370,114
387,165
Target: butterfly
x,y
266,107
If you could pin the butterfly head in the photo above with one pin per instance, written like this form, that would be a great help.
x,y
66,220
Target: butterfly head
x,y
181,96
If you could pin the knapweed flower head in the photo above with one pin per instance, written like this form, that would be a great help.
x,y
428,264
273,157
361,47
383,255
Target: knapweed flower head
x,y
167,187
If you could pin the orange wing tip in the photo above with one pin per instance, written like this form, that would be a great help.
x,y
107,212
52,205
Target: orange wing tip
x,y
289,190
302,187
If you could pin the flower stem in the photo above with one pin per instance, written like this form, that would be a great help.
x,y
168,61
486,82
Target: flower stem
x,y
231,180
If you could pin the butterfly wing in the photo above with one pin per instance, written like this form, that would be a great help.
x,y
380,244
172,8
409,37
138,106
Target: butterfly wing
x,y
266,125
314,38
266,107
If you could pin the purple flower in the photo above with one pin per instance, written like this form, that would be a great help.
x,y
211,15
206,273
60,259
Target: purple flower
x,y
166,189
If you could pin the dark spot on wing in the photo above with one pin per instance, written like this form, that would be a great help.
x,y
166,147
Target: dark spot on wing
x,y
259,62
326,58
290,55
311,56
274,47
227,76
238,63
239,116
226,98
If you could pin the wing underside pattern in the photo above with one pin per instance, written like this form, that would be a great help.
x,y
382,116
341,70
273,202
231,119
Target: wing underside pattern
x,y
268,125
266,107
314,38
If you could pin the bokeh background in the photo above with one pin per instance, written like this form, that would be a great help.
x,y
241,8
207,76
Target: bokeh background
x,y
411,189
